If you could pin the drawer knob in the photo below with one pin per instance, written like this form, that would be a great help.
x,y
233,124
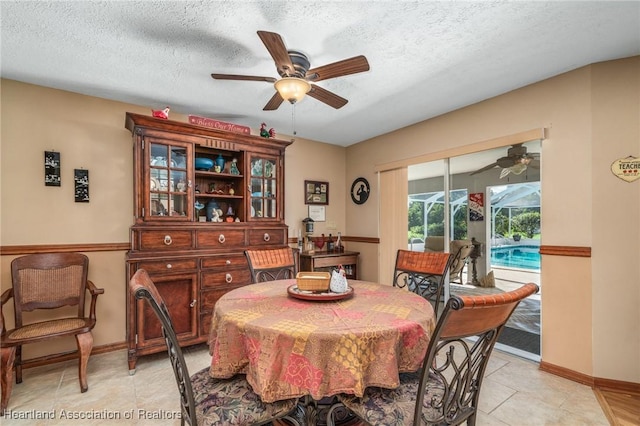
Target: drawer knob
x,y
221,239
228,278
169,266
167,240
266,237
193,303
228,262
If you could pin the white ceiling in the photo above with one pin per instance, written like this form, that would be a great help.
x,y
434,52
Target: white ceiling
x,y
426,57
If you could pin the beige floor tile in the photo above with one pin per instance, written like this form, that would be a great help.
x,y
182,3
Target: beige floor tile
x,y
522,410
515,392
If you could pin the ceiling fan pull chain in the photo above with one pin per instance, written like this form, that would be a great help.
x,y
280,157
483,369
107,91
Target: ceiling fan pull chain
x,y
293,118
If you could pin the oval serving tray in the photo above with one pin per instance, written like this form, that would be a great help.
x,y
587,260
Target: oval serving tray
x,y
320,297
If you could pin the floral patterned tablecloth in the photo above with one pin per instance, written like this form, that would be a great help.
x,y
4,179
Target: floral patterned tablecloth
x,y
290,348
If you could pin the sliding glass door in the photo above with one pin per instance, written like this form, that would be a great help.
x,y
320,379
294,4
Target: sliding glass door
x,y
490,199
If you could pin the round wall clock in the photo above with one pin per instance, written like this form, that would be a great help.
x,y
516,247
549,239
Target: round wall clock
x,y
360,190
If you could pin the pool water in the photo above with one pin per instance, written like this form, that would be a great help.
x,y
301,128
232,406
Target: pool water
x,y
523,257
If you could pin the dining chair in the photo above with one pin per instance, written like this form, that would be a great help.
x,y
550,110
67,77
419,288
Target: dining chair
x,y
447,387
272,264
203,399
422,273
53,282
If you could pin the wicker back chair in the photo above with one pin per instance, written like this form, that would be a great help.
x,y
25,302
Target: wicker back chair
x,y
47,281
272,264
422,273
203,399
445,391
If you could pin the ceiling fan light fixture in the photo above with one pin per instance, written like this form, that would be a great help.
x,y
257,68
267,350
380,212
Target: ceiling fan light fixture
x,y
292,89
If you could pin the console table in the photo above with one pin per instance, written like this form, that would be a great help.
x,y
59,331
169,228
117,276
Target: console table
x,y
327,261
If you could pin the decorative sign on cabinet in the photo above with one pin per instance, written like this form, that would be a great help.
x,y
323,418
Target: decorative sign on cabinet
x,y
201,197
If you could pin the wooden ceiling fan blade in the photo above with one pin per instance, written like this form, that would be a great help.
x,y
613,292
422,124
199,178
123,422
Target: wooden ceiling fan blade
x,y
338,69
329,98
243,77
274,103
278,51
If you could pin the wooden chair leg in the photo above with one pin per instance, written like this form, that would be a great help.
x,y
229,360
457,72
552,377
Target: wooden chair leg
x,y
7,358
85,344
18,364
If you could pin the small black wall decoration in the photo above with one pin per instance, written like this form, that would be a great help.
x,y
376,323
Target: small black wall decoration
x,y
51,168
360,190
81,178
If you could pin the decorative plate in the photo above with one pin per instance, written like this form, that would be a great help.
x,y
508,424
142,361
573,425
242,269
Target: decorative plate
x,y
320,297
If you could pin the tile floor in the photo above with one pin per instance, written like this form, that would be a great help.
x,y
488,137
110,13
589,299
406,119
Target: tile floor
x,y
515,392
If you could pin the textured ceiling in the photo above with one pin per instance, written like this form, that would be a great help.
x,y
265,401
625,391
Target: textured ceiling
x,y
426,58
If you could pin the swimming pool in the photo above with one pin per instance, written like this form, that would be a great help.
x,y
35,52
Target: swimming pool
x,y
523,257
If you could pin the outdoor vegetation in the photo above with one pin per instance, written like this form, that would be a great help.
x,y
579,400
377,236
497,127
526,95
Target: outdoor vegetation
x,y
524,222
435,220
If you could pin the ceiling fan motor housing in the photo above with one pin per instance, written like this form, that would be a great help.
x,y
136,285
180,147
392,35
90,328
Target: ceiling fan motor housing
x,y
300,63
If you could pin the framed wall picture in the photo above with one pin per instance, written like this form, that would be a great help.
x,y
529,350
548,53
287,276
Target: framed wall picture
x,y
316,192
51,168
81,178
317,213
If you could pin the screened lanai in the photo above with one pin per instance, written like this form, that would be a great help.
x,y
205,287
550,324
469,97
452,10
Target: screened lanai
x,y
501,198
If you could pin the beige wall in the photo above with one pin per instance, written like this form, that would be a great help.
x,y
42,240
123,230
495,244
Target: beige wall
x,y
89,133
590,315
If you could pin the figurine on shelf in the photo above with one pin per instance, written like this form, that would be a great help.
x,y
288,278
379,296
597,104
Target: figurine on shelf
x,y
212,211
271,133
162,113
234,167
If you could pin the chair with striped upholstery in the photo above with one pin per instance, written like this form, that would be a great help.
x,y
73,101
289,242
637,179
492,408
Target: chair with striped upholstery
x,y
272,264
445,391
422,273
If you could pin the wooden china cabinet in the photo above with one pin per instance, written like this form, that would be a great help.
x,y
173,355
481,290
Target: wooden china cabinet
x,y
201,197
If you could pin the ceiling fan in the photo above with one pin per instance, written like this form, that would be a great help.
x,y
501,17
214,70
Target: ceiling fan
x,y
516,161
297,79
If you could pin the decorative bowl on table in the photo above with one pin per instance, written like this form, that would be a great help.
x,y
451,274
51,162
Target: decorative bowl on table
x,y
203,163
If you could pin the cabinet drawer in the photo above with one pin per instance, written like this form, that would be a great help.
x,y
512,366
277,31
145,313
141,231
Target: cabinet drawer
x,y
334,261
222,238
235,260
267,236
208,298
165,240
169,265
233,277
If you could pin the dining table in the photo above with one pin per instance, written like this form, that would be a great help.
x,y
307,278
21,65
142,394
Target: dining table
x,y
291,343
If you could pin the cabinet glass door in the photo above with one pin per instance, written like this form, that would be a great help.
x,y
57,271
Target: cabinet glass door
x,y
168,181
264,187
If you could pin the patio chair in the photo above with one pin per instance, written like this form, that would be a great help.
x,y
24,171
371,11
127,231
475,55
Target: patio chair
x,y
48,281
203,399
461,251
447,387
422,273
272,264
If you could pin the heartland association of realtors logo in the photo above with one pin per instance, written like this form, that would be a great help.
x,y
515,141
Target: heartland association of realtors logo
x,y
627,169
